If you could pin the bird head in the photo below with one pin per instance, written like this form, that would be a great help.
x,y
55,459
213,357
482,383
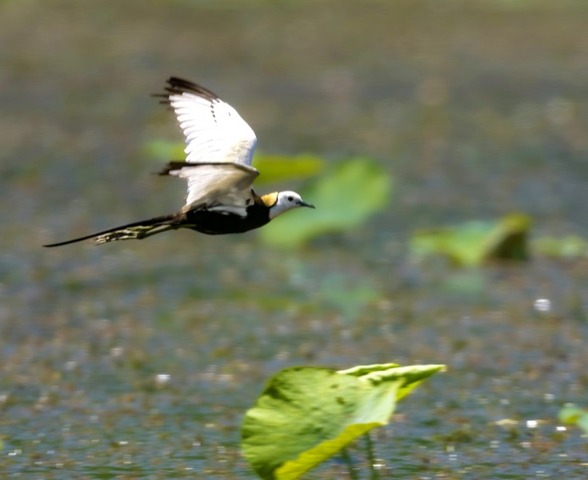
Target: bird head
x,y
283,201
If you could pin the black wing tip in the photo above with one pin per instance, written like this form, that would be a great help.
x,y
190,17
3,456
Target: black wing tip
x,y
172,166
163,98
177,86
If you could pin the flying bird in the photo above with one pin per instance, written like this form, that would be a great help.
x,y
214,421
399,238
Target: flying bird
x,y
219,151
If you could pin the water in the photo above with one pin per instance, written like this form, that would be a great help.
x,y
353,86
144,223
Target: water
x,y
138,359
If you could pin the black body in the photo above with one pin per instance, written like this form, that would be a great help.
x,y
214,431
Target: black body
x,y
210,222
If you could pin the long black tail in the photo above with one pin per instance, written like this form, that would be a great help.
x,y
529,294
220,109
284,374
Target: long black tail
x,y
131,231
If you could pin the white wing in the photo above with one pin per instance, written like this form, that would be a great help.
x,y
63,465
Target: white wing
x,y
214,131
216,186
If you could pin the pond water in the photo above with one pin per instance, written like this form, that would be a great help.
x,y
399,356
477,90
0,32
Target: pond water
x,y
138,359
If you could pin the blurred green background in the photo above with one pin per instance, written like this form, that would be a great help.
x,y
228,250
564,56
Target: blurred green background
x,y
138,359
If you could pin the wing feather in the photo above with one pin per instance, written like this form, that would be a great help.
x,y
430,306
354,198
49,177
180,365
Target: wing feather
x,y
213,130
215,186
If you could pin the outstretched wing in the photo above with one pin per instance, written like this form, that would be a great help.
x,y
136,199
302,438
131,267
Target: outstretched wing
x,y
214,131
215,186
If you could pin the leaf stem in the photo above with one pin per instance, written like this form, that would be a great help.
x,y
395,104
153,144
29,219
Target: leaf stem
x,y
369,448
349,462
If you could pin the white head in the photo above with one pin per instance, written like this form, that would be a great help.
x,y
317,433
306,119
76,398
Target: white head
x,y
285,201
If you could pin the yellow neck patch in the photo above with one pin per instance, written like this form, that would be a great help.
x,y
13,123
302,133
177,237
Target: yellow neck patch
x,y
269,199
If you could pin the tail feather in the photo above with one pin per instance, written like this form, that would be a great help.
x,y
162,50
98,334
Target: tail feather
x,y
131,231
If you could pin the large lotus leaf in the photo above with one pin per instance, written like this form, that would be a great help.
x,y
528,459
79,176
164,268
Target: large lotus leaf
x,y
307,414
282,168
473,243
164,151
570,246
345,196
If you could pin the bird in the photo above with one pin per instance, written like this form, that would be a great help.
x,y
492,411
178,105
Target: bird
x,y
219,152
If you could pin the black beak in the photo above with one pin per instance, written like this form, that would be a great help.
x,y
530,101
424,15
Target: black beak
x,y
304,204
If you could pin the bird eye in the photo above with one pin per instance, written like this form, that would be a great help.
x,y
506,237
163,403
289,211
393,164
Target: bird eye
x,y
290,198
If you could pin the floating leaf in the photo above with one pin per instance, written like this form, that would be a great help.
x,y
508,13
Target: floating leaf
x,y
280,168
473,243
164,151
571,246
344,197
307,414
573,415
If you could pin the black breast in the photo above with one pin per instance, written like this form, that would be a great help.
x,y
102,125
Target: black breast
x,y
214,222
